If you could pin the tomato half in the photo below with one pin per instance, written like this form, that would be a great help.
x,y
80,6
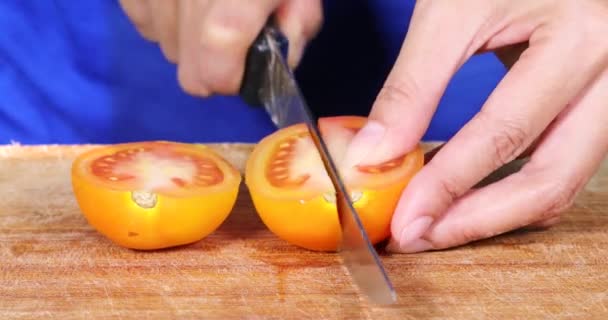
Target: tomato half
x,y
295,198
152,195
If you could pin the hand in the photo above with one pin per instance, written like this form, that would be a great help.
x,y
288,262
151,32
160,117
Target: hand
x,y
555,96
209,39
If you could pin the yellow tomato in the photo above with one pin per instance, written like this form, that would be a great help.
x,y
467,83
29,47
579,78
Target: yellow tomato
x,y
293,194
152,195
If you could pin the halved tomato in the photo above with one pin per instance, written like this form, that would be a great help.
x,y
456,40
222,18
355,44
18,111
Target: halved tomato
x,y
152,195
295,198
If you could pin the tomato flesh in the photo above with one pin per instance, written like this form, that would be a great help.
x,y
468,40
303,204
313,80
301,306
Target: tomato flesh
x,y
150,195
295,163
159,167
295,198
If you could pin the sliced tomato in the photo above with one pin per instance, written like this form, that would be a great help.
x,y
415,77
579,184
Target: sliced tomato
x,y
295,198
158,194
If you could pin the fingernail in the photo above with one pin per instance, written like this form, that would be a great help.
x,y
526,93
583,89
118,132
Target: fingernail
x,y
364,143
414,230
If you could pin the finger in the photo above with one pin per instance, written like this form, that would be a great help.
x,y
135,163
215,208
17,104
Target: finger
x,y
139,14
517,201
189,33
428,59
300,20
542,190
584,122
165,18
530,96
228,30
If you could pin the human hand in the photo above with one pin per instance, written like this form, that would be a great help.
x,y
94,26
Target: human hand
x,y
209,39
554,98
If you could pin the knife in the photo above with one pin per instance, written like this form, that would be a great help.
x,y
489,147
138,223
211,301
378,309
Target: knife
x,y
268,82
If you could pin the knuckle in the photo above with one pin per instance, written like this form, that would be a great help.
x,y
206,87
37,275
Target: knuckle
x,y
222,78
189,84
223,84
400,93
446,185
509,139
226,32
449,189
548,218
561,198
472,233
549,222
542,224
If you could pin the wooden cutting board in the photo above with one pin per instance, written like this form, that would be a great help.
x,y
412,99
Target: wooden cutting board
x,y
54,265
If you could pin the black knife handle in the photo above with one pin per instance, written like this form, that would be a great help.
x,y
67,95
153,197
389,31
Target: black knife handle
x,y
258,61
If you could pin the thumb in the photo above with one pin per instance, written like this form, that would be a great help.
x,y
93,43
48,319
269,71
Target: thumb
x,y
405,105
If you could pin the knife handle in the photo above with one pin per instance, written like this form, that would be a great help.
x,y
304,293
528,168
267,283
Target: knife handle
x,y
258,62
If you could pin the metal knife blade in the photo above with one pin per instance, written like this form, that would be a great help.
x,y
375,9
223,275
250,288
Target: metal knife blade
x,y
280,95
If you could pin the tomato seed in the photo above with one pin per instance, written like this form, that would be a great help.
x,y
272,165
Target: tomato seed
x,y
356,196
329,197
391,164
179,182
282,153
283,157
279,169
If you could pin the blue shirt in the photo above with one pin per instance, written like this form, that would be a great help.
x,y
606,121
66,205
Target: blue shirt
x,y
78,72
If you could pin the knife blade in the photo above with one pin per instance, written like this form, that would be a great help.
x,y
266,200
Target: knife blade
x,y
269,82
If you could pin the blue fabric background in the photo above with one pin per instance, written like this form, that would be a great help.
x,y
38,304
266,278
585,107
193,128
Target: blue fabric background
x,y
78,72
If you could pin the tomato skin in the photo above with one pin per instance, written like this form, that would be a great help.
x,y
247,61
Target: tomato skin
x,y
311,221
174,220
314,224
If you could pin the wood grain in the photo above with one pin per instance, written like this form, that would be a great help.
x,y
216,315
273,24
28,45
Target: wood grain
x,y
54,265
